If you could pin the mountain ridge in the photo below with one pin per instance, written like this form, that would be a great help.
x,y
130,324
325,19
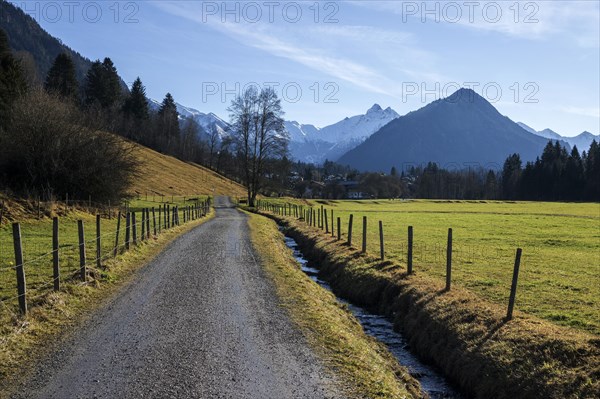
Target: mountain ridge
x,y
455,132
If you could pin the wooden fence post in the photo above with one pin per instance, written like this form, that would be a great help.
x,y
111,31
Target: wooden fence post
x,y
134,228
326,223
117,235
128,231
513,288
82,267
332,229
143,236
148,222
364,238
21,286
350,229
98,243
321,216
381,247
339,228
55,258
449,261
409,261
154,221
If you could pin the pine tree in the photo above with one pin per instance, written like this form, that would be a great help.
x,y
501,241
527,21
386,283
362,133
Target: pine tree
x,y
102,84
592,172
573,181
168,124
61,79
12,81
136,104
511,173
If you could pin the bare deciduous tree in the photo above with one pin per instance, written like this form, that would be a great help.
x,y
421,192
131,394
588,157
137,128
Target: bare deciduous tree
x,y
259,132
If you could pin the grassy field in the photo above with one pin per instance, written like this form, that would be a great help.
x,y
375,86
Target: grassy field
x,y
560,267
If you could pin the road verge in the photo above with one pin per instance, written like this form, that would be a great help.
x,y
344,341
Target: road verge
x,y
366,368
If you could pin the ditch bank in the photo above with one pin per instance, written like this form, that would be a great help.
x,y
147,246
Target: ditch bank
x,y
464,336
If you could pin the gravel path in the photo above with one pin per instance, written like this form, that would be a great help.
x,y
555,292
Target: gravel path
x,y
200,321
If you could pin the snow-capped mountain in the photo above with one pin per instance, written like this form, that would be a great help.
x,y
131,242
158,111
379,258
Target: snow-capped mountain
x,y
206,121
299,132
311,144
582,141
308,143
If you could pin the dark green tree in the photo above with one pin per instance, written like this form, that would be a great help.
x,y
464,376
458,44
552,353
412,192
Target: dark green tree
x,y
12,81
168,125
592,172
511,173
573,179
136,104
102,84
61,79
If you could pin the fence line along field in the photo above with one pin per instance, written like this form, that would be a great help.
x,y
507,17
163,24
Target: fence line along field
x,y
560,267
37,242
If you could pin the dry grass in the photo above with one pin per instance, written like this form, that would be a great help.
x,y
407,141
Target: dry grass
x,y
165,175
367,369
459,331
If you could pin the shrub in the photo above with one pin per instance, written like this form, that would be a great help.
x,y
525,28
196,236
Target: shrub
x,y
48,150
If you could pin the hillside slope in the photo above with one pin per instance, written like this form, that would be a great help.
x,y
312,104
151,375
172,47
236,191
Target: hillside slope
x,y
165,175
25,35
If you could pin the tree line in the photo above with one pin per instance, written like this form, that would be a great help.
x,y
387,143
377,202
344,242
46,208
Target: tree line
x,y
52,140
556,175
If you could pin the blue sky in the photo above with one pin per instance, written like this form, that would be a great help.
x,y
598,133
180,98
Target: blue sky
x,y
537,62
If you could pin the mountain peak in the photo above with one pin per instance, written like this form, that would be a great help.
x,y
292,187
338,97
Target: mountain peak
x,y
374,108
465,95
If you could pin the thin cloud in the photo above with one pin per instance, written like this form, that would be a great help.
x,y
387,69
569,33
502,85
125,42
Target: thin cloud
x,y
593,112
267,38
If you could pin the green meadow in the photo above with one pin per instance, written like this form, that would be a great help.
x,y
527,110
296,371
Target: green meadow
x,y
560,268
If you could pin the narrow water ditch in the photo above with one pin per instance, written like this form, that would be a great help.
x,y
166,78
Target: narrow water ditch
x,y
432,382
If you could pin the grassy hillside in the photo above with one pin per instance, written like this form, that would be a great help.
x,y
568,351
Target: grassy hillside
x,y
164,175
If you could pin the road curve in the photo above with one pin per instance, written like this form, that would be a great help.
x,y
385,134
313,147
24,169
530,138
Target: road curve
x,y
200,321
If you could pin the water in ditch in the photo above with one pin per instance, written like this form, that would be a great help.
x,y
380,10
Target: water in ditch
x,y
432,382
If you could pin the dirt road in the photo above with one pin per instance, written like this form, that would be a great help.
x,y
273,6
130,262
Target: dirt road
x,y
200,321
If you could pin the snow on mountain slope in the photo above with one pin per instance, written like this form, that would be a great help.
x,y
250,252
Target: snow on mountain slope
x,y
314,145
359,126
582,141
206,121
300,133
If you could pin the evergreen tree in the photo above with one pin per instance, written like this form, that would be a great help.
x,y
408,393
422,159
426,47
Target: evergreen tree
x,y
511,173
168,124
592,172
573,182
102,84
61,79
393,172
12,81
491,186
136,104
